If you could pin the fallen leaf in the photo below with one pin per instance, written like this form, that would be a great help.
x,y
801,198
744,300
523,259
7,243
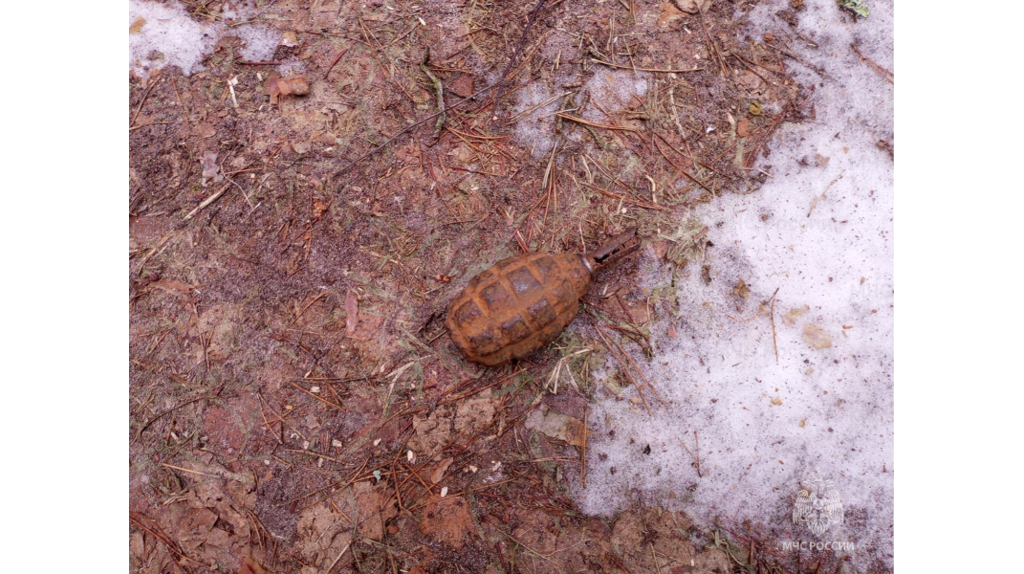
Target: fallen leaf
x,y
817,337
462,86
743,128
794,314
250,566
448,520
558,426
858,7
351,312
438,473
289,39
741,289
669,14
210,168
206,130
277,86
319,207
693,6
136,26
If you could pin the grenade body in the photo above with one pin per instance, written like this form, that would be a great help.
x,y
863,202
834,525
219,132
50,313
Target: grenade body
x,y
522,303
517,307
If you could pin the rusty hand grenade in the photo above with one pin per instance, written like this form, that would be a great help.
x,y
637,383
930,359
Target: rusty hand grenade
x,y
522,303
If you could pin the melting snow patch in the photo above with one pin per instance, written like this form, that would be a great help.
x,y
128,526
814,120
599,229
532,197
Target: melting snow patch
x,y
164,35
161,35
740,432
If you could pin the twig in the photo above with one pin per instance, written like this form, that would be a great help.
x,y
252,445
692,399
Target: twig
x,y
335,62
814,202
583,453
340,554
793,55
624,198
718,54
774,341
694,453
515,55
440,94
207,201
625,367
164,413
540,105
412,127
145,96
689,175
157,533
886,74
655,70
579,120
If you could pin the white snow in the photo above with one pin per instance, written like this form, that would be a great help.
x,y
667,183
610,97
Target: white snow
x,y
168,36
764,426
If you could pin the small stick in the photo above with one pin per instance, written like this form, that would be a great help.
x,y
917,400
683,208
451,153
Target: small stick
x,y
774,341
689,175
625,365
592,124
411,127
886,74
145,96
583,454
628,200
440,94
515,55
335,62
540,105
655,70
721,60
696,448
188,470
207,201
814,203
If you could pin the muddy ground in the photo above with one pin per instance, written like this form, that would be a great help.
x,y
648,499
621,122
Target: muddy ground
x,y
295,403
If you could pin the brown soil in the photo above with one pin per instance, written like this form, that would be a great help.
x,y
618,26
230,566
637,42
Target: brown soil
x,y
287,343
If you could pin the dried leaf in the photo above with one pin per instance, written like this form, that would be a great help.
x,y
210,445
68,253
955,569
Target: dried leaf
x,y
277,86
210,168
693,6
462,86
817,337
669,14
136,26
858,7
558,426
438,473
289,39
741,289
794,314
319,207
743,128
250,566
351,312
